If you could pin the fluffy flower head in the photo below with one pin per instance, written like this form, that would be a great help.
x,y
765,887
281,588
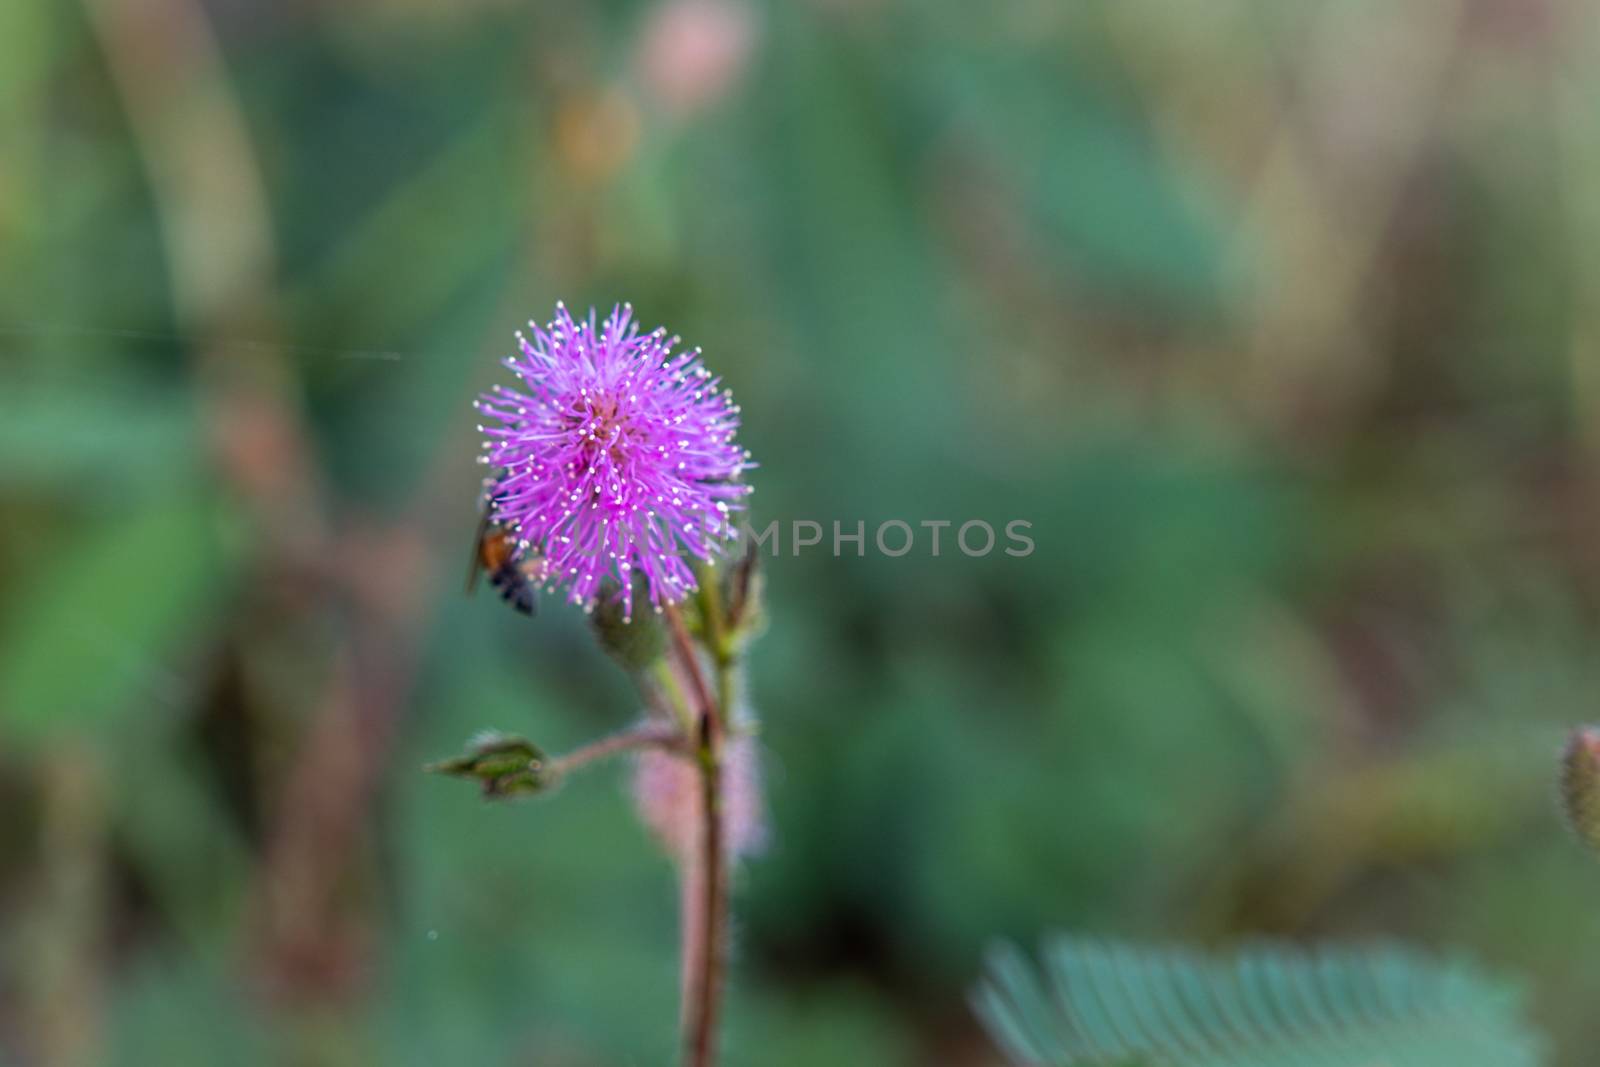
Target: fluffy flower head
x,y
615,456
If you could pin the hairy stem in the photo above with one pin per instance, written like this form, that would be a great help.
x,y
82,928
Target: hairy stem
x,y
684,646
649,735
703,937
669,693
716,630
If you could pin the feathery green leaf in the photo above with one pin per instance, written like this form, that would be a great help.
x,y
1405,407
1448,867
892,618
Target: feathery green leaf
x,y
1111,1005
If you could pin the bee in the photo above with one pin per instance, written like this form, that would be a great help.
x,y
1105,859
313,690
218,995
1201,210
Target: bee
x,y
514,571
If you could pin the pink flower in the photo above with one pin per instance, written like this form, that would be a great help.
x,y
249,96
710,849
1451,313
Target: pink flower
x,y
666,791
692,52
615,457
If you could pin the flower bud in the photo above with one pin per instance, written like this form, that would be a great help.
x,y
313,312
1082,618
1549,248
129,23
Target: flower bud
x,y
666,791
635,643
1580,784
505,766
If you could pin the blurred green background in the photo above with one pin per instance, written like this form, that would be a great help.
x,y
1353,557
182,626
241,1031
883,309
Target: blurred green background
x,y
1280,321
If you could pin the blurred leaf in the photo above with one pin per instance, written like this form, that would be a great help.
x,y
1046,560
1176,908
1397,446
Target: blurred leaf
x,y
856,276
445,219
181,842
1104,1004
844,1024
109,438
25,44
1105,200
91,637
185,1010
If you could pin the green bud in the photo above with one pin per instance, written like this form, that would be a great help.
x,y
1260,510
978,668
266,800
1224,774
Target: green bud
x,y
1580,784
636,643
504,765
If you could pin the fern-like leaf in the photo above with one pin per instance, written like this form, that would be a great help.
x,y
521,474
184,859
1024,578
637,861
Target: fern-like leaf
x,y
1111,1005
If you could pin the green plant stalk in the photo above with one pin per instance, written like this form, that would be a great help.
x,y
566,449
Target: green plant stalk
x,y
677,705
719,642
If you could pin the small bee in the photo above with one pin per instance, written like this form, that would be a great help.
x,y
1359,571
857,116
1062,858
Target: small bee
x,y
495,550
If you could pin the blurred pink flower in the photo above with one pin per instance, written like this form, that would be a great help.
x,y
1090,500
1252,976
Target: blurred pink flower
x,y
692,51
666,790
1515,25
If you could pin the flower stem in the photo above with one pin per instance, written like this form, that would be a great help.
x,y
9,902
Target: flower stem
x,y
669,693
684,646
649,735
703,975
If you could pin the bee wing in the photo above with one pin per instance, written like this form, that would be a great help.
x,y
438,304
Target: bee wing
x,y
476,567
533,572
